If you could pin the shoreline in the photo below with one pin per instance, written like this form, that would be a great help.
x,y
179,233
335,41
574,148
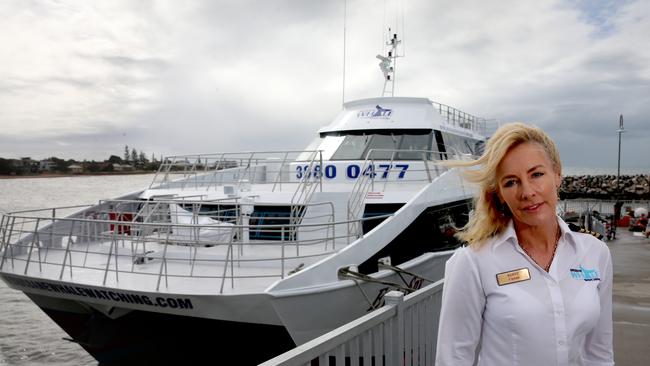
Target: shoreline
x,y
65,175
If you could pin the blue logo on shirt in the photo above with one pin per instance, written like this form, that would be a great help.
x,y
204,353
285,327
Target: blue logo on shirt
x,y
585,274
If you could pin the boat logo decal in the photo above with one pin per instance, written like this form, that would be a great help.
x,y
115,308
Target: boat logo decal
x,y
378,112
582,273
109,295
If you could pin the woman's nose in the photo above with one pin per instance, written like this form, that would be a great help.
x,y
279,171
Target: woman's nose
x,y
527,190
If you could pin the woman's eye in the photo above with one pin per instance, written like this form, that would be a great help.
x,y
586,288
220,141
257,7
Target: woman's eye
x,y
509,183
537,174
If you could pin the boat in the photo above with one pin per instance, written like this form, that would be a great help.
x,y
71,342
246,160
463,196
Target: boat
x,y
238,257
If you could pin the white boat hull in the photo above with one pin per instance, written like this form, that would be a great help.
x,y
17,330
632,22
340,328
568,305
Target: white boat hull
x,y
312,312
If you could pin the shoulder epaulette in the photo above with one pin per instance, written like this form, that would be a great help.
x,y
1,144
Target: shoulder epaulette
x,y
580,229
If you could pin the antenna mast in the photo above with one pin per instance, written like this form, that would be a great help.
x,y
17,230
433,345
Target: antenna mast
x,y
388,64
345,22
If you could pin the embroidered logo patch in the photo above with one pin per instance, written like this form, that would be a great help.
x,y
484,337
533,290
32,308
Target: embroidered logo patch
x,y
583,273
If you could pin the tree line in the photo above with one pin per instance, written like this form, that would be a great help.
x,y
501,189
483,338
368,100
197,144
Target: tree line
x,y
132,160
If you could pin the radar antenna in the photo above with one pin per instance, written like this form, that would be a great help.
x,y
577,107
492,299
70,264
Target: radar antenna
x,y
388,64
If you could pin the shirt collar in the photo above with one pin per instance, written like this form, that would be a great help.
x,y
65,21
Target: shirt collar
x,y
510,235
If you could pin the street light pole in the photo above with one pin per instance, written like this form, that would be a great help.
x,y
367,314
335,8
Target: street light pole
x,y
620,130
617,206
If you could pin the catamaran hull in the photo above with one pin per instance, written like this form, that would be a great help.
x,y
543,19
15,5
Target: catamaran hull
x,y
120,327
151,338
180,328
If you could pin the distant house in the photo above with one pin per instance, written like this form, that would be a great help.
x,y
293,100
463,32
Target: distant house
x,y
46,166
76,169
122,167
26,165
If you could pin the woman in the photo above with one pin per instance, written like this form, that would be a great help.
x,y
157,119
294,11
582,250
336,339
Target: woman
x,y
527,290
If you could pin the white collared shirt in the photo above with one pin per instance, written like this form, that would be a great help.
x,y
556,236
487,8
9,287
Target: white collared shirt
x,y
563,317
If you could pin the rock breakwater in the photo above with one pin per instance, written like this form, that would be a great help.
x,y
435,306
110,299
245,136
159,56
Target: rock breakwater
x,y
632,187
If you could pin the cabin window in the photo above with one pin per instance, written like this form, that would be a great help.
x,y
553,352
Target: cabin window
x,y
414,142
326,144
461,144
352,147
383,146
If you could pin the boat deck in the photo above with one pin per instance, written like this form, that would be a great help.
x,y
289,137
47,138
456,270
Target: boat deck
x,y
236,268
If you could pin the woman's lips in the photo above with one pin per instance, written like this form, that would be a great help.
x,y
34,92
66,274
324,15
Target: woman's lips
x,y
532,208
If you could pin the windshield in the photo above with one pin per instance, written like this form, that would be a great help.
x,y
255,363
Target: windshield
x,y
357,147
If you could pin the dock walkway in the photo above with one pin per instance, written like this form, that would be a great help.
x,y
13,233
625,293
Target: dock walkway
x,y
631,303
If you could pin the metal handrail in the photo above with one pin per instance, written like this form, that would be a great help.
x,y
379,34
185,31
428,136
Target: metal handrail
x,y
49,209
216,161
462,119
273,171
158,225
87,230
305,190
365,182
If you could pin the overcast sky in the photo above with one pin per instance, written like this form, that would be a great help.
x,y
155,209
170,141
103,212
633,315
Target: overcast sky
x,y
81,79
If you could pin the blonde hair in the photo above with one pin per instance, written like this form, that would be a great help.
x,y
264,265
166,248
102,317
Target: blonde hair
x,y
490,218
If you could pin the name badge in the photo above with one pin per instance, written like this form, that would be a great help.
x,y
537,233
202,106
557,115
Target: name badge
x,y
518,275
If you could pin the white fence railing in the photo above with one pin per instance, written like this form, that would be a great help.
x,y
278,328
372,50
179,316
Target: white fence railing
x,y
403,332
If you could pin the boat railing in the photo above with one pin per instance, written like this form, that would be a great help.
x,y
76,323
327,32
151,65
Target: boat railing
x,y
402,332
365,183
458,118
298,170
167,243
305,190
208,171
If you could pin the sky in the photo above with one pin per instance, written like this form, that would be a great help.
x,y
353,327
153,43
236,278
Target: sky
x,y
82,79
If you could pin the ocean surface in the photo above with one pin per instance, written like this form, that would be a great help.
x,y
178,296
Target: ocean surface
x,y
567,170
27,335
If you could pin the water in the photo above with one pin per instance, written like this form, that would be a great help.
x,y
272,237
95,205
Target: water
x,y
27,335
567,171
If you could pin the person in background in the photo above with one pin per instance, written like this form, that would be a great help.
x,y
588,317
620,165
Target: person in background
x,y
526,290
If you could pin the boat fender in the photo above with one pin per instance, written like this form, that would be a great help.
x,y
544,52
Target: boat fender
x,y
580,229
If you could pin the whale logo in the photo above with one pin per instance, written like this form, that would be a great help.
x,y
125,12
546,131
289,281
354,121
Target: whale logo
x,y
378,112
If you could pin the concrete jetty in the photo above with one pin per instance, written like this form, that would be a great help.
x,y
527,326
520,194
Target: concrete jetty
x,y
631,303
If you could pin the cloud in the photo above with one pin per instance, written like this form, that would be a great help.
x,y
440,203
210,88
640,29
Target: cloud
x,y
170,77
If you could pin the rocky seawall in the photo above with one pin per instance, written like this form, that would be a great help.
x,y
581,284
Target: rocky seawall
x,y
632,187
